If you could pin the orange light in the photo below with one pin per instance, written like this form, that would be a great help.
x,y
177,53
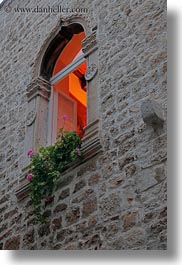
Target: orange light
x,y
69,52
75,89
71,91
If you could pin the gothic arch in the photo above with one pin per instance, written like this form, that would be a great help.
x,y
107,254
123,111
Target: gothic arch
x,y
39,90
57,36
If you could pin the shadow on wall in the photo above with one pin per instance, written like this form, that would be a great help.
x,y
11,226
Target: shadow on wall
x,y
172,253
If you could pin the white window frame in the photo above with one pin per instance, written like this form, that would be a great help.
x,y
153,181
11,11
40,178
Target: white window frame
x,y
67,70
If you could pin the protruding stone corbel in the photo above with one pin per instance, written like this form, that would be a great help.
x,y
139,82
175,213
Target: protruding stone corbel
x,y
152,113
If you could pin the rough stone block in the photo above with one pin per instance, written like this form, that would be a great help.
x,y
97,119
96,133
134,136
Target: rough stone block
x,y
110,206
89,206
83,196
57,222
81,184
129,220
64,194
73,215
12,243
43,230
158,226
93,180
60,208
116,182
29,238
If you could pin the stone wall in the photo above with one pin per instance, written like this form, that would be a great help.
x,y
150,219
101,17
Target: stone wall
x,y
116,200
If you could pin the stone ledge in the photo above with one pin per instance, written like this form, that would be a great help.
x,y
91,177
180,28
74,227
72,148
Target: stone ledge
x,y
22,192
24,187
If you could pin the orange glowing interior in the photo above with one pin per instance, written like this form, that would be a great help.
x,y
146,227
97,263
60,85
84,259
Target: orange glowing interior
x,y
71,50
71,89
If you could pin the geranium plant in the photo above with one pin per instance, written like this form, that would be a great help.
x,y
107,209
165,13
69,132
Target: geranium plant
x,y
47,165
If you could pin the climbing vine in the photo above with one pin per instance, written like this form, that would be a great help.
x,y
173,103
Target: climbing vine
x,y
47,166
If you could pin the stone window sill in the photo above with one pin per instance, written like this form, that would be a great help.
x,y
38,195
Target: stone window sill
x,y
89,150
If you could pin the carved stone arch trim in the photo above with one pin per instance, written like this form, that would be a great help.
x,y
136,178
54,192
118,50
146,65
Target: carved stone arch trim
x,y
81,19
69,22
38,61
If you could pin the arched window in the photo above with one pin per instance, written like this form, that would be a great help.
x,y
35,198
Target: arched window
x,y
65,82
68,99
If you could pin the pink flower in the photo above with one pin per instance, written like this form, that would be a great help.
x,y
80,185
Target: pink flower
x,y
30,153
65,117
29,176
78,151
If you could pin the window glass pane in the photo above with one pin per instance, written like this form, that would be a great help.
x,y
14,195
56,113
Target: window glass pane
x,y
70,91
66,106
73,87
